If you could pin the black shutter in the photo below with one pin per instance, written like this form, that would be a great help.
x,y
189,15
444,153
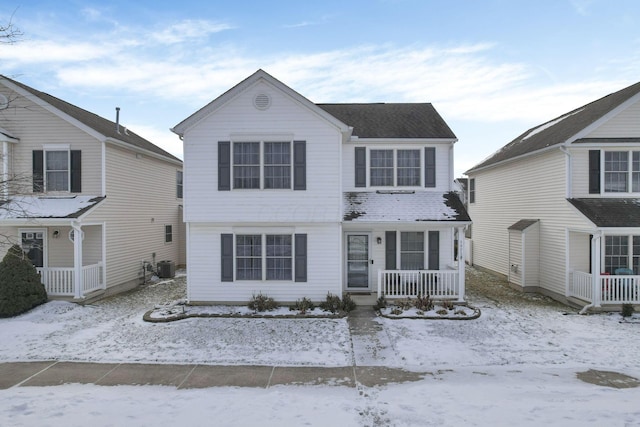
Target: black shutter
x,y
224,165
434,250
76,171
38,171
594,171
430,166
361,167
301,257
390,250
226,257
299,165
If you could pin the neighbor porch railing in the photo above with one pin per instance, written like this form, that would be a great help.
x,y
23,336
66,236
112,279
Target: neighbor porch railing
x,y
59,281
614,289
442,284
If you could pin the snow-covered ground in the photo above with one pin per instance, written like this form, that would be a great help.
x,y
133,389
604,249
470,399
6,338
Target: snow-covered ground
x,y
515,365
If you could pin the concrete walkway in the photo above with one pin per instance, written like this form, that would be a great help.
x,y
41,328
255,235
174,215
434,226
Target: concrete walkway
x,y
52,373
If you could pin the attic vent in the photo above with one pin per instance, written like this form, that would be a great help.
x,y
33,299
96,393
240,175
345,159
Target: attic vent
x,y
262,101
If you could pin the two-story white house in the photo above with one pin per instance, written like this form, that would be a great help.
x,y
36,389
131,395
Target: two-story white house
x,y
293,199
66,173
557,210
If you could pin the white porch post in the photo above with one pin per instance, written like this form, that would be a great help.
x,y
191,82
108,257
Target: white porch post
x,y
461,265
596,241
77,261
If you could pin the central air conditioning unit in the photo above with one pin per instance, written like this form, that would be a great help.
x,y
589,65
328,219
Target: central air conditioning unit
x,y
166,269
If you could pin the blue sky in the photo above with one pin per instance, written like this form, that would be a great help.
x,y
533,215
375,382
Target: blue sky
x,y
492,68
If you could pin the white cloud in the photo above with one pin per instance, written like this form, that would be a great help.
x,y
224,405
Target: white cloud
x,y
189,29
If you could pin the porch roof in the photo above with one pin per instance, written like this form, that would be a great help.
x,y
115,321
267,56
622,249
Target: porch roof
x,y
32,207
610,212
403,206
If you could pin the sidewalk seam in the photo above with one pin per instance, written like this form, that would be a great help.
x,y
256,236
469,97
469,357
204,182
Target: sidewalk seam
x,y
186,377
34,375
273,369
110,371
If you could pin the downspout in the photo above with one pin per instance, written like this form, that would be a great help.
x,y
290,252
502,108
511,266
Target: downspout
x,y
5,170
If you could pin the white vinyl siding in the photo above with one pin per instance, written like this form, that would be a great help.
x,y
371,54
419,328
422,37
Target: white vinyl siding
x,y
37,128
323,266
623,125
285,120
444,179
532,188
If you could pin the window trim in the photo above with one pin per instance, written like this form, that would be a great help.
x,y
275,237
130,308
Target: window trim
x,y
262,165
168,233
264,257
45,171
395,150
630,172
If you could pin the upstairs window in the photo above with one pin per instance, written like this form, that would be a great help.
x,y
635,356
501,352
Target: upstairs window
x,y
246,165
261,165
394,168
57,169
621,171
472,190
168,233
179,184
277,165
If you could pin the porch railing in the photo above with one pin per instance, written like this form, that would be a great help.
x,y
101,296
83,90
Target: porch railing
x,y
441,284
59,281
614,289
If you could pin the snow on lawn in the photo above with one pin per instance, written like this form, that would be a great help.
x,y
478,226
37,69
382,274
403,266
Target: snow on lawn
x,y
514,365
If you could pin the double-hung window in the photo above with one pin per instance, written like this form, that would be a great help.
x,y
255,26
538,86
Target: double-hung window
x,y
621,252
411,250
267,256
179,185
395,168
621,171
56,167
262,165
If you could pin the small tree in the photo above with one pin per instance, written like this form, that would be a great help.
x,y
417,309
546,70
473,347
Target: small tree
x,y
20,285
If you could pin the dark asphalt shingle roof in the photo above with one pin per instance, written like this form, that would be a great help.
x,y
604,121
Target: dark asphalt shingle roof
x,y
560,129
95,122
522,225
402,120
610,212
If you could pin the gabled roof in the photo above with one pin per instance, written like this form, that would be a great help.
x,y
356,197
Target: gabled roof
x,y
105,127
561,129
208,109
403,206
408,120
609,212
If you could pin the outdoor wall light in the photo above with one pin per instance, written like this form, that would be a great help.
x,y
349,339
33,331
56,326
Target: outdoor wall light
x,y
56,233
379,240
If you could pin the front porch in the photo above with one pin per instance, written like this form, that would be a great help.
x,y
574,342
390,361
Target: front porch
x,y
59,281
609,289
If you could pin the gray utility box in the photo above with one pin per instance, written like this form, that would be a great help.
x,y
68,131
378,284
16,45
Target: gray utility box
x,y
166,269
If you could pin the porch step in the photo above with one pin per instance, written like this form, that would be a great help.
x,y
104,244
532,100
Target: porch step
x,y
364,299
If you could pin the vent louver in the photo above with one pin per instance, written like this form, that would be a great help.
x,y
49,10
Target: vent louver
x,y
262,101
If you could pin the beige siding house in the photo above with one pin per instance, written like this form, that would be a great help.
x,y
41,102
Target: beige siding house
x,y
294,199
557,210
73,173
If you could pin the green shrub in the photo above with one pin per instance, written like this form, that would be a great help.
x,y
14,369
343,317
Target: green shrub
x,y
20,286
303,305
380,303
627,310
348,304
332,303
260,302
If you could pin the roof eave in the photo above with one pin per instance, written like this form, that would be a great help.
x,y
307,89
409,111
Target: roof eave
x,y
136,149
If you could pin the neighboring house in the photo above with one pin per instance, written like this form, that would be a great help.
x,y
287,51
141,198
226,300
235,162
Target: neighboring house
x,y
73,173
557,210
294,199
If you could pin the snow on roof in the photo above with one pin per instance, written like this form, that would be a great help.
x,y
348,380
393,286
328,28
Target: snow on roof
x,y
22,207
403,206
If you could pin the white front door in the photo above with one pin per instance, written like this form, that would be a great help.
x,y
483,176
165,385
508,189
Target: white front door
x,y
357,268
